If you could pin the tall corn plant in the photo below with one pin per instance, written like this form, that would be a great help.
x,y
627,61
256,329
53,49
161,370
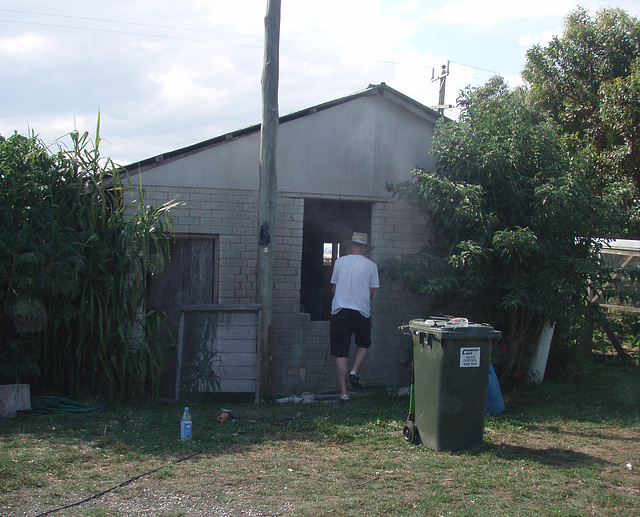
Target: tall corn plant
x,y
82,254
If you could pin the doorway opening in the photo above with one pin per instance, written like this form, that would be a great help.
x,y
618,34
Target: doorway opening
x,y
327,226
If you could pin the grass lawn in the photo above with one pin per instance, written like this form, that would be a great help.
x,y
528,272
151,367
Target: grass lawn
x,y
560,449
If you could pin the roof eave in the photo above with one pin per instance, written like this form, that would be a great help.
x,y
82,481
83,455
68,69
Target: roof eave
x,y
372,90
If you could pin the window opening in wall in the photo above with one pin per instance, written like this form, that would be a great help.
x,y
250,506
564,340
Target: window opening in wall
x,y
331,253
327,226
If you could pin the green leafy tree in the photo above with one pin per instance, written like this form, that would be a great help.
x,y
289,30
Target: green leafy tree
x,y
513,226
74,261
587,80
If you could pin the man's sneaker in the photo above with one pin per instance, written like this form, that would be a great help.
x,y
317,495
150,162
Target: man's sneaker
x,y
344,398
354,380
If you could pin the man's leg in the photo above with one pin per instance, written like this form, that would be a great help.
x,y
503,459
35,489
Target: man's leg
x,y
358,358
340,338
341,368
362,330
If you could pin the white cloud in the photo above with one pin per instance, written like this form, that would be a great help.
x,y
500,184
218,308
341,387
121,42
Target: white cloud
x,y
514,80
179,85
22,43
490,12
242,18
165,75
360,30
543,39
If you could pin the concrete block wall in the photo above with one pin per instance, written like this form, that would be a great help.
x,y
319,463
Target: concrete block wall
x,y
302,362
293,357
287,249
231,216
300,346
400,230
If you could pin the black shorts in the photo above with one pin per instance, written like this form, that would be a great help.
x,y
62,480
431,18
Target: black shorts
x,y
343,324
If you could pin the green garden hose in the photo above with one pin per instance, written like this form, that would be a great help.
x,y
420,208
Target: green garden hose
x,y
46,404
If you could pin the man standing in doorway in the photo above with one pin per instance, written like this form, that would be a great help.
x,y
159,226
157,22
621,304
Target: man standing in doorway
x,y
354,280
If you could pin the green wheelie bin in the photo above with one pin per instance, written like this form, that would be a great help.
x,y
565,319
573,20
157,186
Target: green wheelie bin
x,y
451,360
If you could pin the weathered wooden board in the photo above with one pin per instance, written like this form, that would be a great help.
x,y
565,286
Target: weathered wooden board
x,y
13,398
218,349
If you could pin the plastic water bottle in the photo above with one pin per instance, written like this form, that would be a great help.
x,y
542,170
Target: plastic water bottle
x,y
185,425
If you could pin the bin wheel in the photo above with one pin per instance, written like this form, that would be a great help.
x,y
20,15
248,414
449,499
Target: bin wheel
x,y
410,432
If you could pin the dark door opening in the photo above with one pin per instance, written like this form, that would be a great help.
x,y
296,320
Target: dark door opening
x,y
328,224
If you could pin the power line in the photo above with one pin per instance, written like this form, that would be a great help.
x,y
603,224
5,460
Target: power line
x,y
198,40
106,20
208,31
129,33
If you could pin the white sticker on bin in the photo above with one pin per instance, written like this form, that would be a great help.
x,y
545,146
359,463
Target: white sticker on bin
x,y
470,357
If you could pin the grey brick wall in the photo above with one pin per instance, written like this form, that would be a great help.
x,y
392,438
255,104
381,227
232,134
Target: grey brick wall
x,y
301,361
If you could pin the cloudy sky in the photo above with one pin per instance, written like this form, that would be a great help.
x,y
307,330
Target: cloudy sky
x,y
166,74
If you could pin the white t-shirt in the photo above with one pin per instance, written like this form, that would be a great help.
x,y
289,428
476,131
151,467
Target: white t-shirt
x,y
353,276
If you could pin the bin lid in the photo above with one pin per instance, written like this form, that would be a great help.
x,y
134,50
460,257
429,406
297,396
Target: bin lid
x,y
454,328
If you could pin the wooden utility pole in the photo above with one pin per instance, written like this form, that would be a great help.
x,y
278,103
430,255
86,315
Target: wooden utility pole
x,y
268,191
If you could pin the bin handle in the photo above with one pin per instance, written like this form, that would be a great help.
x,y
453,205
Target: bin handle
x,y
429,340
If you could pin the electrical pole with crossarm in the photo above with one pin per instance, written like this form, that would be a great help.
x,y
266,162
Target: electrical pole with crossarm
x,y
443,83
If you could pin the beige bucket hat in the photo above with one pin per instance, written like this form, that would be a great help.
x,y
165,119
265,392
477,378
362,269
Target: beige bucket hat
x,y
361,238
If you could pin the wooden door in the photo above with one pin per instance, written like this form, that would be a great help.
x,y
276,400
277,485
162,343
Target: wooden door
x,y
188,279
